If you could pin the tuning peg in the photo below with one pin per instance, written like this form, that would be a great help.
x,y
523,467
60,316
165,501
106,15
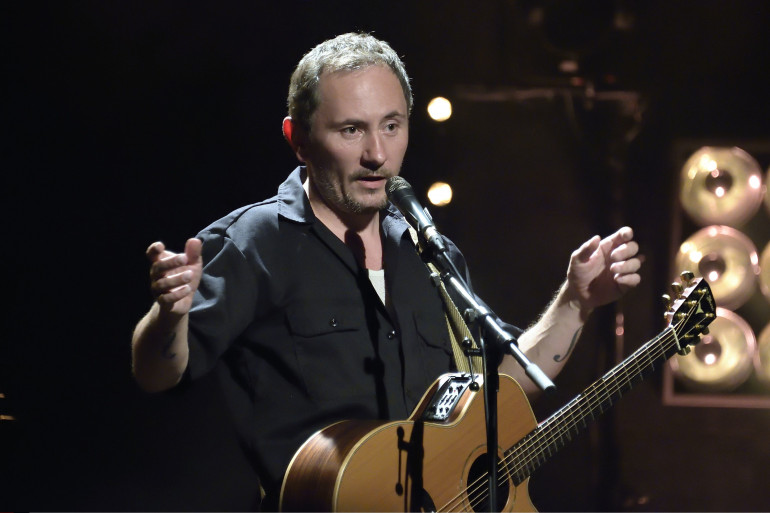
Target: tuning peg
x,y
667,302
685,350
677,289
687,277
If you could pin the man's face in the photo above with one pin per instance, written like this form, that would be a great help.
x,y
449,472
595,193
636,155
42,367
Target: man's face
x,y
358,138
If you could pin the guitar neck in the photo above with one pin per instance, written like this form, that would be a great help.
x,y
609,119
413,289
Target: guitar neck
x,y
555,432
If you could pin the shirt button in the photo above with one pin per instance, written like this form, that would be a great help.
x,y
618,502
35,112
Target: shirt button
x,y
333,322
392,335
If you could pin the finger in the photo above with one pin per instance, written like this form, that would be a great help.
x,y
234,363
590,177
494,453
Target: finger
x,y
173,281
628,280
624,251
172,296
168,283
623,234
155,250
627,266
584,252
193,249
162,266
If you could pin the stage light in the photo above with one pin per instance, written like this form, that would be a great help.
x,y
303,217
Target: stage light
x,y
440,109
764,272
3,415
762,356
721,189
440,194
767,194
724,358
721,185
726,258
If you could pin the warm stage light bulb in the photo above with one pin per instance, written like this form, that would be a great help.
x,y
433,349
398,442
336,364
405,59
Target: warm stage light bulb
x,y
440,194
440,109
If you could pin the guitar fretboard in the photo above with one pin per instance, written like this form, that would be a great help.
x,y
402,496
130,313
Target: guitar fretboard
x,y
555,432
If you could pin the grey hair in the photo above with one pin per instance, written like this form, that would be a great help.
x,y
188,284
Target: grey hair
x,y
345,52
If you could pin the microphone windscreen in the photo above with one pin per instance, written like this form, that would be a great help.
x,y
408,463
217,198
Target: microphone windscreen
x,y
395,183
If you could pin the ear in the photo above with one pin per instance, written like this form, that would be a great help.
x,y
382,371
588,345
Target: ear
x,y
293,136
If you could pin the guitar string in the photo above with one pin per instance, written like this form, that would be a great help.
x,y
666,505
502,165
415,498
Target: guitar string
x,y
564,426
481,482
590,403
622,370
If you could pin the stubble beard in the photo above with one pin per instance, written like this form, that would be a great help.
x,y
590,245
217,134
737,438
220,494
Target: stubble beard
x,y
344,201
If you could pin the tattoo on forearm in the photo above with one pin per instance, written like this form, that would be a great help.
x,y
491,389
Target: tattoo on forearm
x,y
165,351
561,358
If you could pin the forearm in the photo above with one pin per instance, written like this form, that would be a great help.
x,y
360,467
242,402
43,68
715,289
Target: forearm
x,y
159,350
550,341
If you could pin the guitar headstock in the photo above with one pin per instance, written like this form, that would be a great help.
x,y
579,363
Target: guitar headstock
x,y
691,310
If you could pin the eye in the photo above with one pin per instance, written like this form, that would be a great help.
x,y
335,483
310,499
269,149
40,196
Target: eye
x,y
349,130
391,127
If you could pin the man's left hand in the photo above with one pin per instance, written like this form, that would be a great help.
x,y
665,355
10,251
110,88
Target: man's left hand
x,y
602,270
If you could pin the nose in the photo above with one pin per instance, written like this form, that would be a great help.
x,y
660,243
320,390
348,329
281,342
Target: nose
x,y
373,155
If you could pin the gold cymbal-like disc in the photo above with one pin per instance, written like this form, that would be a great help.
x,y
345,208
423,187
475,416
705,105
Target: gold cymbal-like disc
x,y
723,360
721,185
767,194
762,357
764,271
726,259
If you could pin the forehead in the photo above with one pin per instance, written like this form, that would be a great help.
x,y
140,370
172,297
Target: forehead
x,y
373,90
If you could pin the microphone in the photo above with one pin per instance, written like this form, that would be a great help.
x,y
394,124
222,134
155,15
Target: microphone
x,y
401,194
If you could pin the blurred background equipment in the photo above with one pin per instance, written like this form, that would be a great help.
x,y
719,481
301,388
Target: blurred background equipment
x,y
764,271
726,258
721,190
721,185
723,359
762,356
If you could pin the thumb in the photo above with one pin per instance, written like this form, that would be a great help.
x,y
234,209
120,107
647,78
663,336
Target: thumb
x,y
585,251
193,249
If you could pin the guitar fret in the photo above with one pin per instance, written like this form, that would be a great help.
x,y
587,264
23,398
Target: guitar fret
x,y
534,449
537,447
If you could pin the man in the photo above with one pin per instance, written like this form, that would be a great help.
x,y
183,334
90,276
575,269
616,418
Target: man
x,y
314,306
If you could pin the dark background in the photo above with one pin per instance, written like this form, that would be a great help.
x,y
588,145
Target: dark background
x,y
129,122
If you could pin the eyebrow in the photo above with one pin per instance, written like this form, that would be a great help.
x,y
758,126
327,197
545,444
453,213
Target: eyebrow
x,y
396,114
358,122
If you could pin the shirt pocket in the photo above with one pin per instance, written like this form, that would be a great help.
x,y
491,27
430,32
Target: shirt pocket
x,y
333,350
436,346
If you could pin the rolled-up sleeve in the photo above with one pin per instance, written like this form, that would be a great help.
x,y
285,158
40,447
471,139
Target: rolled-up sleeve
x,y
224,304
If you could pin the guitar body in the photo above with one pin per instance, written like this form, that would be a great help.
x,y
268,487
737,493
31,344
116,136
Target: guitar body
x,y
411,465
441,464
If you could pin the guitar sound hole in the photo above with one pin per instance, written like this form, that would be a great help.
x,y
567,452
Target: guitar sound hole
x,y
478,485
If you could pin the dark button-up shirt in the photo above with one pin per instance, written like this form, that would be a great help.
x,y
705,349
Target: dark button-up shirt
x,y
294,327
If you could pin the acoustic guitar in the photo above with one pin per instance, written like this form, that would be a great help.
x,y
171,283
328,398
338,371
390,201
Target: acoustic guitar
x,y
437,459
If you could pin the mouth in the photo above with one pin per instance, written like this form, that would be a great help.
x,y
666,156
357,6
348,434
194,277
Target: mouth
x,y
372,181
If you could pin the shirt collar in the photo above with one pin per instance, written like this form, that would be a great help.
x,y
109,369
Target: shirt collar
x,y
294,205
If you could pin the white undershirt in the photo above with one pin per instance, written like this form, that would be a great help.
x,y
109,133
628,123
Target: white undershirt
x,y
378,282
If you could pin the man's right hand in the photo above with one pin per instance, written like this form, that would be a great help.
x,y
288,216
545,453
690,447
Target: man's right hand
x,y
174,277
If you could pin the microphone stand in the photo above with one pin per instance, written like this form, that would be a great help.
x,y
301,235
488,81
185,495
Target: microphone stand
x,y
492,354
